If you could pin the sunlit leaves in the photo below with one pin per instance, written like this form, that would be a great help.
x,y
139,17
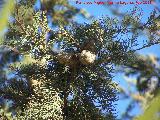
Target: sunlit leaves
x,y
153,111
5,14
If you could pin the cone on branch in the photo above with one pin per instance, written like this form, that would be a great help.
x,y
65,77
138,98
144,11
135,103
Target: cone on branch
x,y
69,59
86,57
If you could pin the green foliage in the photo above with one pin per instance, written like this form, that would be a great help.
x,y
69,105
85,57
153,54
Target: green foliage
x,y
74,83
87,87
46,104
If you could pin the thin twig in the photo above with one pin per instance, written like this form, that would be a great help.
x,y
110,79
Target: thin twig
x,y
22,28
146,46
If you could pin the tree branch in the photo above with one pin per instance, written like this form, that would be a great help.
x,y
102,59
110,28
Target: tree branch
x,y
146,46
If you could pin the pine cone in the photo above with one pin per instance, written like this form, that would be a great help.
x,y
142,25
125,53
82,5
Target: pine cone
x,y
87,57
69,59
64,58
